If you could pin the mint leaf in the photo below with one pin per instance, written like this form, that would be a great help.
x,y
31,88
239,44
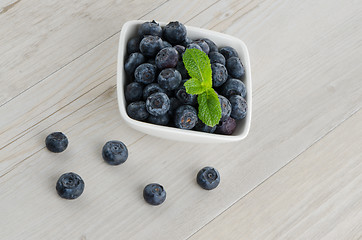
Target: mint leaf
x,y
209,107
198,66
193,86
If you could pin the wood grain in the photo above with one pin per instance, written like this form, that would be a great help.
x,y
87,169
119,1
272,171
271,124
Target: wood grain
x,y
317,196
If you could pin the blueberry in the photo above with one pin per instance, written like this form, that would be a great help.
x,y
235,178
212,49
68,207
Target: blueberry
x,y
185,117
150,89
228,52
219,74
194,46
137,111
70,186
159,120
175,32
133,61
154,194
181,68
226,127
150,45
166,58
212,45
239,107
133,92
174,104
150,28
180,49
133,45
202,127
115,152
169,78
165,44
208,178
203,44
235,67
233,87
145,73
186,42
151,61
225,108
184,97
216,57
56,142
158,104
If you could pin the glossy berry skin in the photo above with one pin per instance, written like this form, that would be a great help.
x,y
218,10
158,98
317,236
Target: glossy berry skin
x,y
145,73
133,92
225,108
219,74
208,178
137,110
175,33
239,107
212,45
159,120
185,117
56,142
194,46
180,49
154,194
150,28
235,67
216,57
158,104
165,44
150,45
132,62
186,42
169,79
133,45
70,186
150,89
167,58
202,127
184,97
114,152
233,87
226,127
204,46
228,52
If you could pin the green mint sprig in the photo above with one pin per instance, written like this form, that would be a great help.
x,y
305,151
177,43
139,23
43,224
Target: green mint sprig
x,y
197,64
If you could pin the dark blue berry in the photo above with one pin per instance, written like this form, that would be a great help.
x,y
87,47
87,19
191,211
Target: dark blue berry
x,y
184,97
133,61
150,89
159,120
212,45
181,68
174,104
194,46
114,152
70,186
166,58
133,45
226,127
165,44
208,178
180,49
228,52
225,108
154,194
56,142
133,92
233,87
219,74
150,28
239,107
158,104
137,110
150,45
169,79
202,127
185,117
203,44
186,42
175,32
235,67
216,57
145,73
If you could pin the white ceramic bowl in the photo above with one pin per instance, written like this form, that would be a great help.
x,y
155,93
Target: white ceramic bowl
x,y
129,30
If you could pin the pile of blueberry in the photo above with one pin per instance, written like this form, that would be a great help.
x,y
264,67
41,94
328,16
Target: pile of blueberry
x,y
70,185
155,92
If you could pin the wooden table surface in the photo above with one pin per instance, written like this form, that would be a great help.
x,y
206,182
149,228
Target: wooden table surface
x,y
298,174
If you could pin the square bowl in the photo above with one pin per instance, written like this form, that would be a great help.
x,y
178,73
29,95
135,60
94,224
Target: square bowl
x,y
128,31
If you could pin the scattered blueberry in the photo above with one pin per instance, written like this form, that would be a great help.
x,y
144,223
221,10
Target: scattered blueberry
x,y
166,58
185,117
133,45
226,127
158,104
239,107
175,32
56,142
137,110
203,44
212,45
150,45
150,28
114,152
235,68
154,194
225,108
208,178
145,73
133,92
70,186
228,52
133,61
216,57
150,89
159,120
219,74
233,87
169,79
